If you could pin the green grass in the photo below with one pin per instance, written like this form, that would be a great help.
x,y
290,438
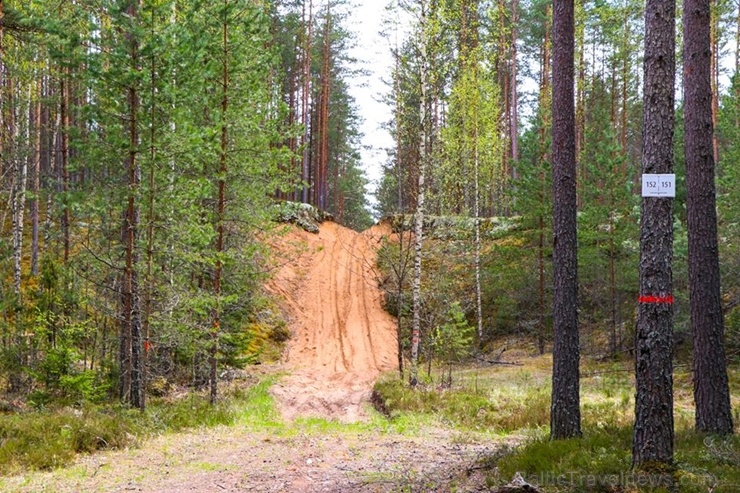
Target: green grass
x,y
497,401
51,438
601,462
257,408
508,403
515,401
478,411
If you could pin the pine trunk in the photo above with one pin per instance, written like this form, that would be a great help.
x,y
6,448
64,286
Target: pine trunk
x,y
711,388
221,210
513,102
64,170
565,415
714,74
131,339
322,161
36,183
544,157
305,110
653,430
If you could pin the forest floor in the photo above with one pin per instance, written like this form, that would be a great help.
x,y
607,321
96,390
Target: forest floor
x,y
327,439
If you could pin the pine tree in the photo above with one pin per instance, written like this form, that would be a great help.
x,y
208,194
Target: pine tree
x,y
565,416
653,430
711,387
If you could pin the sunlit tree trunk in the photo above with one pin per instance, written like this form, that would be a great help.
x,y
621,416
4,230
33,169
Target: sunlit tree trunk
x,y
419,215
545,101
64,170
565,416
131,337
514,114
221,210
19,204
322,161
36,162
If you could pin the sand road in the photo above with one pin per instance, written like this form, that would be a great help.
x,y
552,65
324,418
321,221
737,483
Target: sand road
x,y
342,337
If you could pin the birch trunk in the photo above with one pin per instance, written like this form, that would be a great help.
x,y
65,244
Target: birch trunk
x,y
19,208
419,216
36,183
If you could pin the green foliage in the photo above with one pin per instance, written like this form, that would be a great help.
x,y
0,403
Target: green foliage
x,y
601,462
452,339
51,438
464,407
728,205
732,334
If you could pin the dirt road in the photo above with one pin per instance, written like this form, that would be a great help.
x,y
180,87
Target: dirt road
x,y
239,460
342,337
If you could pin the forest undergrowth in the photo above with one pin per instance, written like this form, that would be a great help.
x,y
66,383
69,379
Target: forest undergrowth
x,y
513,399
504,404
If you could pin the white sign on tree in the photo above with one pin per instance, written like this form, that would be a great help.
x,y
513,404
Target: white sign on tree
x,y
659,185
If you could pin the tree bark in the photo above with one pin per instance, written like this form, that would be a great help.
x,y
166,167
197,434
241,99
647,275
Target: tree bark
x,y
714,47
476,215
514,114
64,171
19,208
220,213
711,388
36,183
320,183
653,429
419,216
305,118
131,340
544,157
2,87
565,415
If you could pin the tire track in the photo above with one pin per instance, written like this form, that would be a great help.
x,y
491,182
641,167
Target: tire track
x,y
342,337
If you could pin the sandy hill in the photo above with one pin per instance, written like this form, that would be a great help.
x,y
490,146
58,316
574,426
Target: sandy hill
x,y
342,338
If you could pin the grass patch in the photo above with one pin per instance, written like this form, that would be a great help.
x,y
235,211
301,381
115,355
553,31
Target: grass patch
x,y
51,438
600,462
479,410
257,407
602,454
517,400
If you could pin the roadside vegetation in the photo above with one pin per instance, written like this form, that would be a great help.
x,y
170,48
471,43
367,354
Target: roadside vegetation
x,y
501,403
48,438
513,402
478,387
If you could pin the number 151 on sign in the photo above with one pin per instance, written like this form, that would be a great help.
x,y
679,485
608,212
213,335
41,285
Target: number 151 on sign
x,y
658,185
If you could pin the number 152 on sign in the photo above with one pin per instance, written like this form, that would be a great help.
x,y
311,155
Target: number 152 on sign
x,y
659,185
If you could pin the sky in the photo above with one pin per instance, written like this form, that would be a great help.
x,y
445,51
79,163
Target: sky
x,y
374,55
